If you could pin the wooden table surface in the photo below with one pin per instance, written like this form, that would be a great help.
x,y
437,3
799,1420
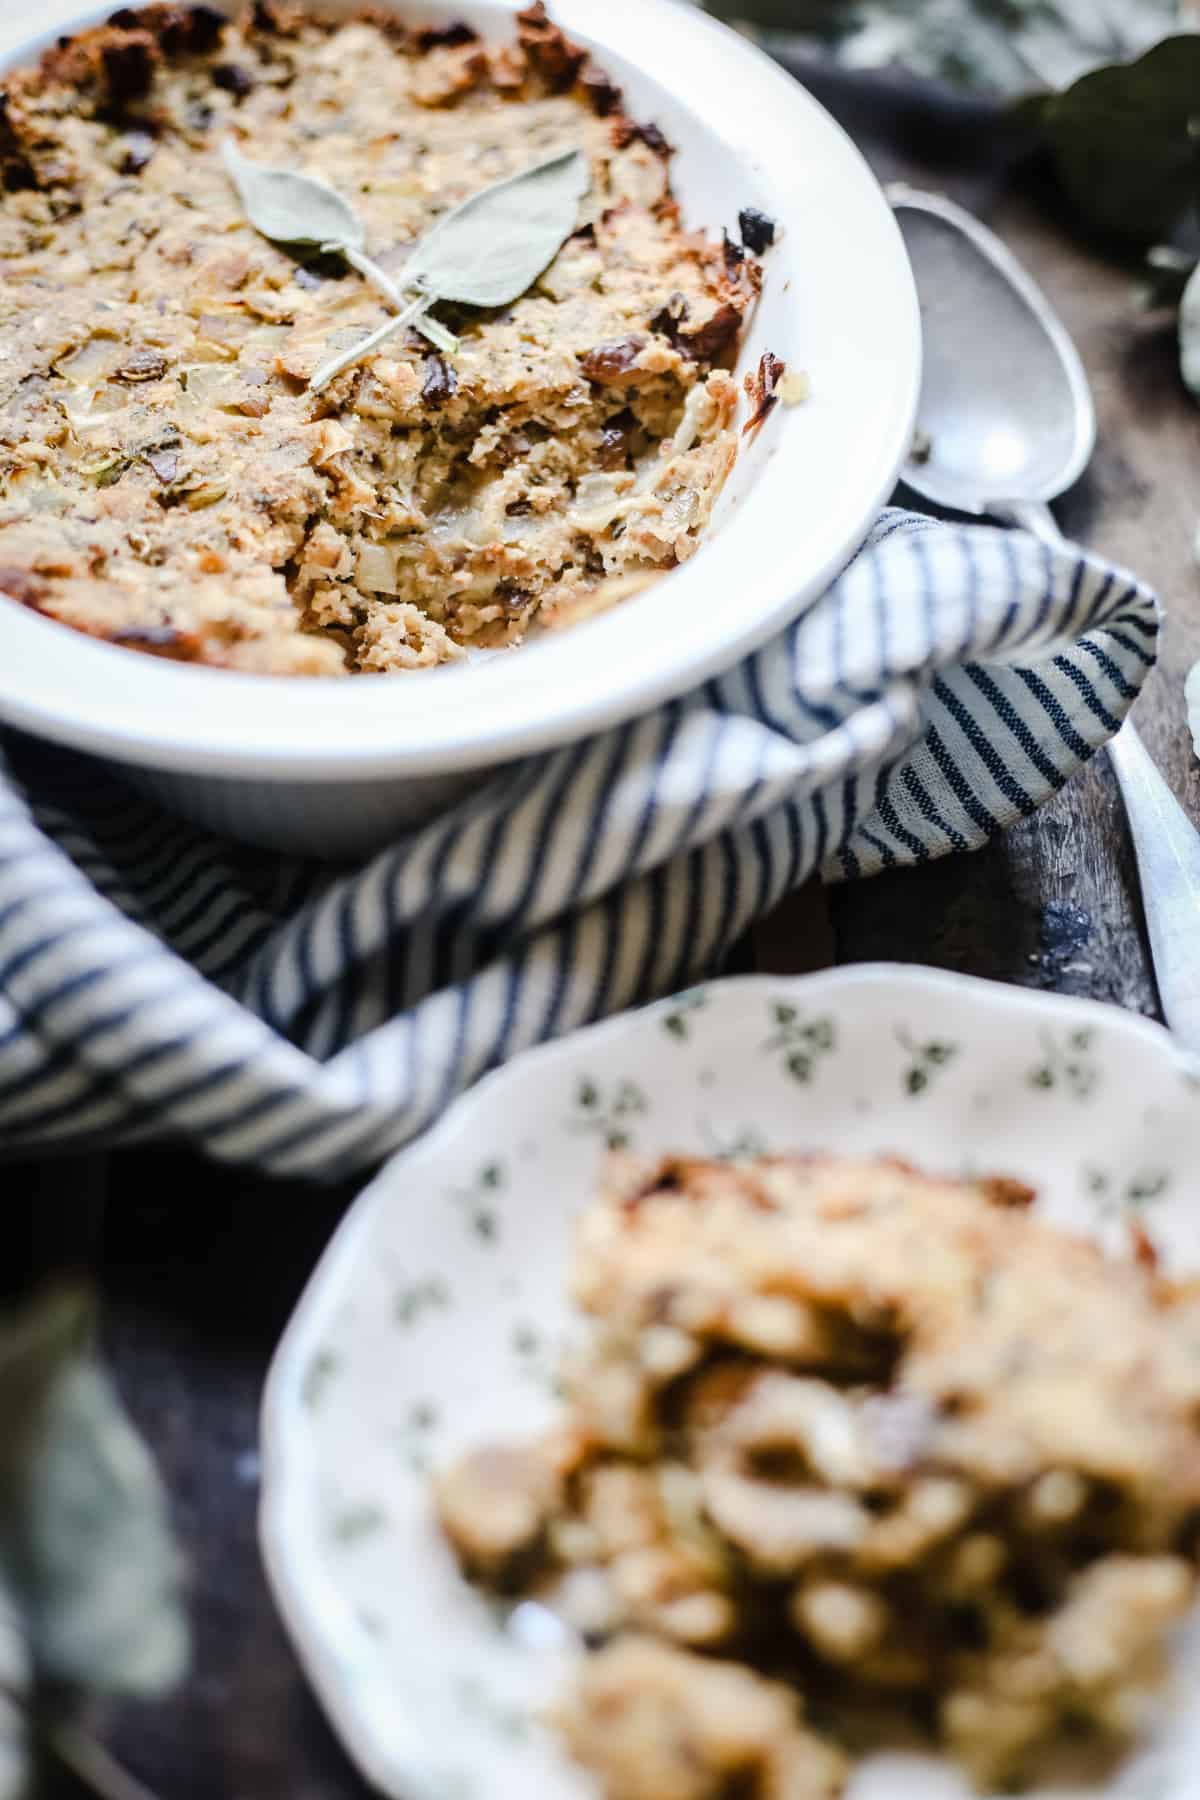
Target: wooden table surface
x,y
201,1267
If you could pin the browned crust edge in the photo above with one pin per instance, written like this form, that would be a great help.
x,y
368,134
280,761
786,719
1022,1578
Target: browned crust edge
x,y
116,63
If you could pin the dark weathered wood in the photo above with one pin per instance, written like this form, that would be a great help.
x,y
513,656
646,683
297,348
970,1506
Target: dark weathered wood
x,y
1055,902
200,1270
201,1267
54,1224
1052,905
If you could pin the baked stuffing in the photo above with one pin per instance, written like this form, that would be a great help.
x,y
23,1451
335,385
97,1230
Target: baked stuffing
x,y
653,1721
889,1439
168,482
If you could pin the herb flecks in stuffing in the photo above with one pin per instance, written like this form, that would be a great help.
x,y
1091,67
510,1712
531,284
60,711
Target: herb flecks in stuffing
x,y
165,467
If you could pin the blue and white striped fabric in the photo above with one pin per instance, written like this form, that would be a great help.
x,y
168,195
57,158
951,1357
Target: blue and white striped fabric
x,y
157,981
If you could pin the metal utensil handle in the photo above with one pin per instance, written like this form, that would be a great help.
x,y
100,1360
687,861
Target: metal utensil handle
x,y
1165,842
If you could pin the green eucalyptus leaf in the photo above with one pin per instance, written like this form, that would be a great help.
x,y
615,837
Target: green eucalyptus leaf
x,y
16,1684
293,208
85,1545
1189,333
1003,46
493,246
1124,140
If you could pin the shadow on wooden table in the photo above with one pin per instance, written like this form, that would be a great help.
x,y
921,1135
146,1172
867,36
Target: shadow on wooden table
x,y
201,1267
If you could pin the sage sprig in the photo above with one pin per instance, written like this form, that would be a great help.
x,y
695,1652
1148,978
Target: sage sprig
x,y
486,251
292,208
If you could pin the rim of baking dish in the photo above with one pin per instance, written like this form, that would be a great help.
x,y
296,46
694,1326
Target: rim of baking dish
x,y
812,485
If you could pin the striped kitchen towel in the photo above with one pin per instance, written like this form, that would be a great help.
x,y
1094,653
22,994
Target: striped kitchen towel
x,y
157,981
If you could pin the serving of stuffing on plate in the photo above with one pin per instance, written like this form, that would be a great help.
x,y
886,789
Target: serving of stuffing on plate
x,y
171,481
852,1442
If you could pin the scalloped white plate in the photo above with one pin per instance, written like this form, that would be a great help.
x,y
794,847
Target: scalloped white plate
x,y
437,1314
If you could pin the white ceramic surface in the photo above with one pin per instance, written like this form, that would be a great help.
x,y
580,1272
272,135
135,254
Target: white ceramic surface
x,y
435,1318
838,301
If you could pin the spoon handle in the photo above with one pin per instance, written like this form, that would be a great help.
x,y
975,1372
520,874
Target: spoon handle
x,y
1167,847
1031,515
1165,842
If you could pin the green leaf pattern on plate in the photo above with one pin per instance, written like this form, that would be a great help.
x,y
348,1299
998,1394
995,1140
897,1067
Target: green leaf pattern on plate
x,y
736,1147
609,1112
478,1201
799,1041
415,1298
355,1523
414,1440
677,1014
925,1060
539,1359
1113,1199
322,1367
477,1698
1068,1064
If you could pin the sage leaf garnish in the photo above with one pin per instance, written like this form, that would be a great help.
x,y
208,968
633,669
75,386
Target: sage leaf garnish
x,y
292,208
489,249
302,209
486,251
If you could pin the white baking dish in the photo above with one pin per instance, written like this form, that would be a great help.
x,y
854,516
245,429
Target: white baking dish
x,y
333,766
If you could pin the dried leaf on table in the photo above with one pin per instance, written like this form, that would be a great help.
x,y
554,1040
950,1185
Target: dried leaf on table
x,y
16,1683
1003,46
1110,86
84,1536
1123,141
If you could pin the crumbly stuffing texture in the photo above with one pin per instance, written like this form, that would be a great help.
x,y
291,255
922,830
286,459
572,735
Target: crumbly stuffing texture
x,y
653,1720
166,480
890,1439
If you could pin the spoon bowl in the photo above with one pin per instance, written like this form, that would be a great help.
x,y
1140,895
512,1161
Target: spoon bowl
x,y
1006,415
1006,423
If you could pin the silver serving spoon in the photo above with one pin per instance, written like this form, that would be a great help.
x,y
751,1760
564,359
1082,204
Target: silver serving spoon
x,y
1005,425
